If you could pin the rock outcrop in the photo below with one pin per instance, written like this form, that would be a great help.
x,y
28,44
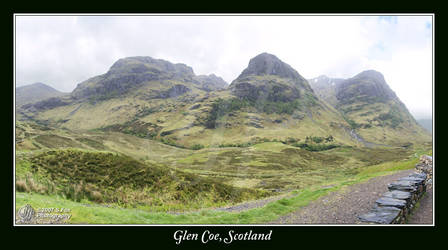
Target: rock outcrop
x,y
267,78
175,91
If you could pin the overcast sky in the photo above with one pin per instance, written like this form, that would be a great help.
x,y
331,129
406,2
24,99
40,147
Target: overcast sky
x,y
62,51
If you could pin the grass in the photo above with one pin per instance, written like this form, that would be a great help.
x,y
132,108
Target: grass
x,y
112,178
85,212
271,146
279,166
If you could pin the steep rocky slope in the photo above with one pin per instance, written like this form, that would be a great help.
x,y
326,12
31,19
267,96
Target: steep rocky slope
x,y
325,88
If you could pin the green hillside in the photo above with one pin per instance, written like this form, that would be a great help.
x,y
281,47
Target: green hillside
x,y
372,109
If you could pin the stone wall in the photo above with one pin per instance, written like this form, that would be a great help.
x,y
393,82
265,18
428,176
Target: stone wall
x,y
394,206
425,166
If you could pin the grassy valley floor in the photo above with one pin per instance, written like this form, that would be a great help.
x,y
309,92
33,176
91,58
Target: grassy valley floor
x,y
86,212
108,177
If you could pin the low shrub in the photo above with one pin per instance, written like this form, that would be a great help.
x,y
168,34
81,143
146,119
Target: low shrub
x,y
315,147
197,146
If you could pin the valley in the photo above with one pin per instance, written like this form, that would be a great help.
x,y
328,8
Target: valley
x,y
150,142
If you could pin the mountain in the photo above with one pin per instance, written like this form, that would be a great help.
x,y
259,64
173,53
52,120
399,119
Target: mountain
x,y
368,86
426,124
35,92
131,87
269,100
157,99
371,107
267,78
130,73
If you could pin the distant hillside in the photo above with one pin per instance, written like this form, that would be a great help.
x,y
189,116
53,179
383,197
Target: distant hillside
x,y
371,107
426,124
35,92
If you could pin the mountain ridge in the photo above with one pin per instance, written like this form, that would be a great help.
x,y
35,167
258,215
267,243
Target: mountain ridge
x,y
160,100
35,92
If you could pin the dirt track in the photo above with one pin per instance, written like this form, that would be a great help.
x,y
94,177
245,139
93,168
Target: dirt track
x,y
344,206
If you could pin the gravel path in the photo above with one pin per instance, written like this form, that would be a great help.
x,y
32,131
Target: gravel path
x,y
239,207
250,204
423,214
343,206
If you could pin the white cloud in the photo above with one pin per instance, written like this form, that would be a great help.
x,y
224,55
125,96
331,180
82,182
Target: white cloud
x,y
63,51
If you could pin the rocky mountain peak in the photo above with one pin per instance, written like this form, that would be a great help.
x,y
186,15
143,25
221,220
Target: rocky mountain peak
x,y
369,85
142,64
268,64
131,72
372,74
268,78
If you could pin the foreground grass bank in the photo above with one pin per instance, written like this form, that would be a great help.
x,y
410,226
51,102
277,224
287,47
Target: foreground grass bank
x,y
85,212
111,178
